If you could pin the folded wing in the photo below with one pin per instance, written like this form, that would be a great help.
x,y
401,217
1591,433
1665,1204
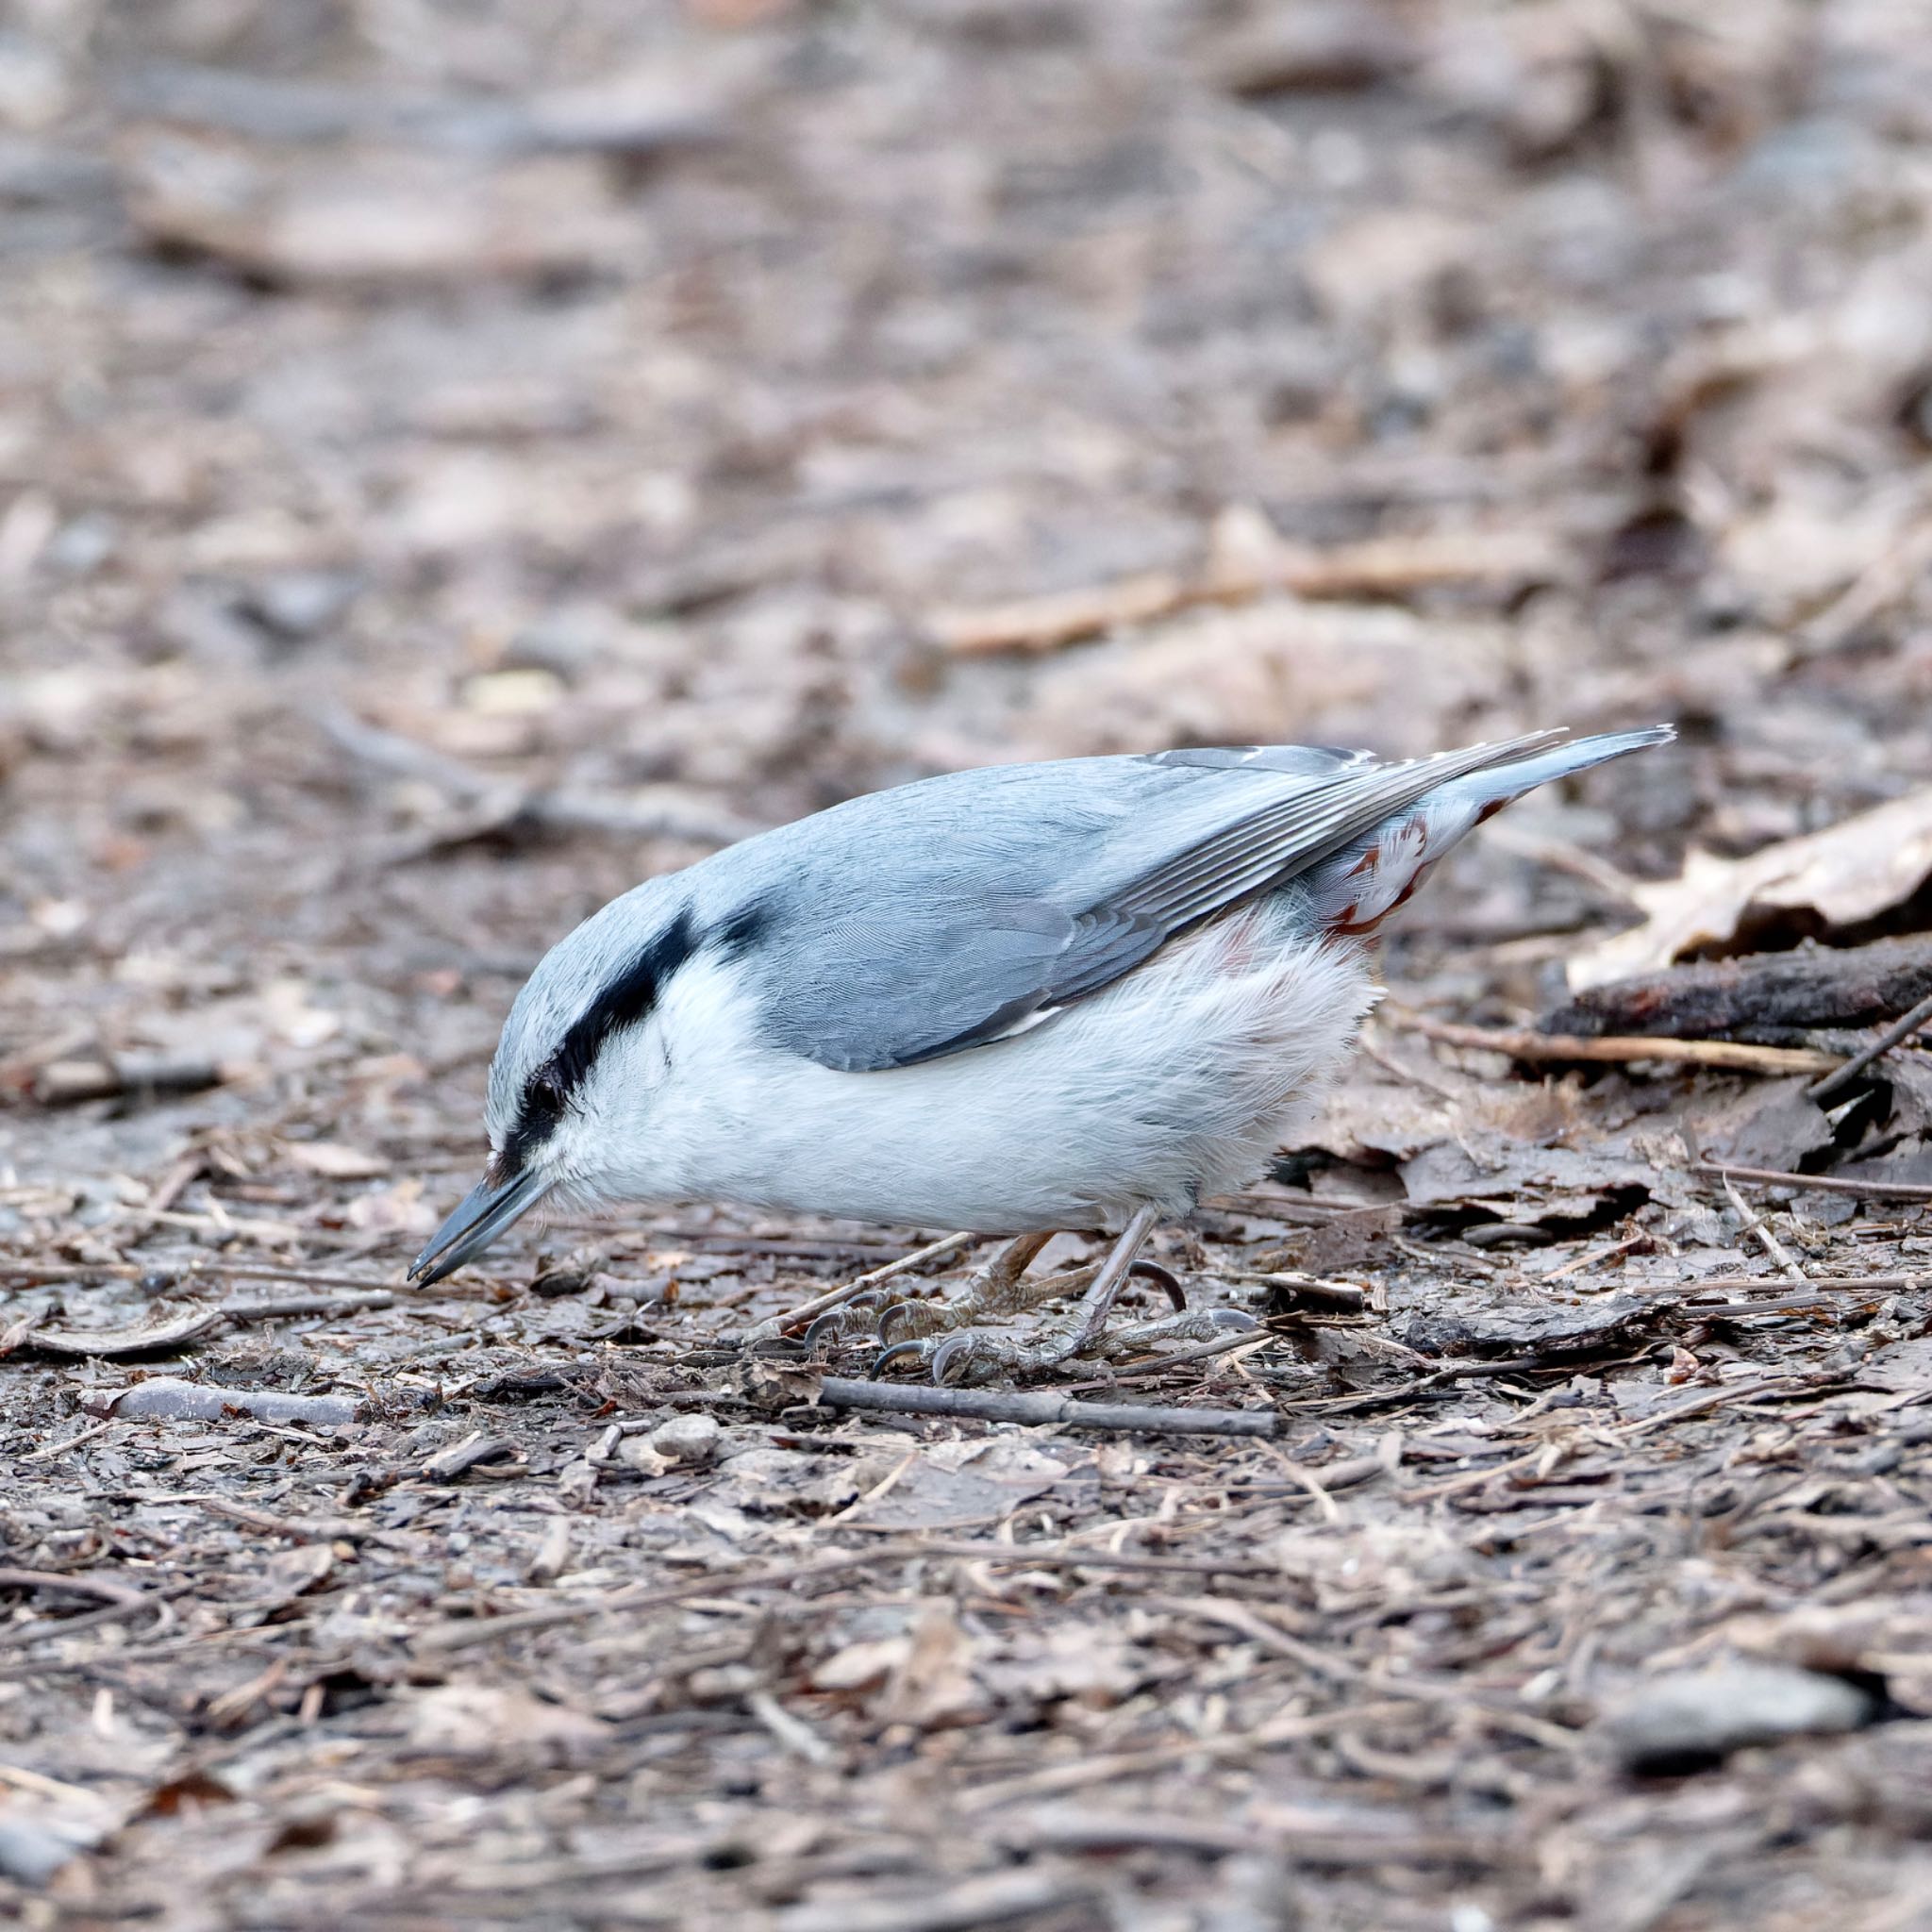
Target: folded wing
x,y
951,915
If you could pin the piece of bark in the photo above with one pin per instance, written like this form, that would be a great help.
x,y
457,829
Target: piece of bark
x,y
1765,995
113,1343
1774,1124
500,1453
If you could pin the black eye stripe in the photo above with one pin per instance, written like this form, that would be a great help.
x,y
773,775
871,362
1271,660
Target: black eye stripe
x,y
625,1000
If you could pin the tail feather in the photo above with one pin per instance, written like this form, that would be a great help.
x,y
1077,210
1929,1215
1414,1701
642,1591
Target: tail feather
x,y
1353,893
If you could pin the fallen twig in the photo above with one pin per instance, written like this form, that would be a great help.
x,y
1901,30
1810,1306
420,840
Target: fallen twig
x,y
1380,567
284,1307
115,1598
48,1450
1336,1297
1848,1284
68,1082
1828,1183
994,1898
998,1406
1619,1049
167,1398
503,804
633,1597
1780,1255
103,1587
265,107
1107,1768
181,1274
1901,1029
1703,1405
1244,1338
636,1597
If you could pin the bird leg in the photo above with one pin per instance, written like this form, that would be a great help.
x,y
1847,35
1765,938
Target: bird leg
x,y
976,1356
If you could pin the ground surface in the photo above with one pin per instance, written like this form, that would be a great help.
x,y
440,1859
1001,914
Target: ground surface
x,y
486,453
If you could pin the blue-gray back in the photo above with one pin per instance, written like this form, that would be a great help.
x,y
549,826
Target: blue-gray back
x,y
942,915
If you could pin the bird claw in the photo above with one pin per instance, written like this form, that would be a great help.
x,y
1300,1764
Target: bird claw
x,y
835,1325
976,1354
989,1294
964,1358
919,1319
919,1346
1168,1281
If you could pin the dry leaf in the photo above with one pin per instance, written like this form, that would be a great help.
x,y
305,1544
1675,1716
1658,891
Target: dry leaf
x,y
141,1340
282,1576
481,1720
335,1162
933,1683
1852,872
862,1665
400,1209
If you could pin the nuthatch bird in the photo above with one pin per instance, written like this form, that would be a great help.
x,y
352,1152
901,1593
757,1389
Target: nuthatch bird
x,y
1015,1001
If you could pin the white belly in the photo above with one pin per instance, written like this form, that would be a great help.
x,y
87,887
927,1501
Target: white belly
x,y
1176,1082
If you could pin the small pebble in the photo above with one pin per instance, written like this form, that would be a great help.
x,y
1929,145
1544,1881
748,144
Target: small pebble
x,y
687,1438
1696,1719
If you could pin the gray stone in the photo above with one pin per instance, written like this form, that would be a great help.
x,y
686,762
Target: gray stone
x,y
1695,1719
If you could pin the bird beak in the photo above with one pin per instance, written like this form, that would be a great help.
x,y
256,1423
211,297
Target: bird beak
x,y
480,1216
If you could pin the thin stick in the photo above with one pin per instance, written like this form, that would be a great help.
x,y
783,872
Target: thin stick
x,y
1225,1344
995,1405
59,1583
1829,1184
1703,1405
1094,1770
41,1453
179,1273
1780,1255
1901,1029
1846,1284
1619,1049
642,816
1378,567
634,1597
285,1308
1735,1311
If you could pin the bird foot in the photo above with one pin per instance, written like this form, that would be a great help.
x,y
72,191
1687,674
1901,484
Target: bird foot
x,y
967,1358
1192,1325
988,1296
1000,1291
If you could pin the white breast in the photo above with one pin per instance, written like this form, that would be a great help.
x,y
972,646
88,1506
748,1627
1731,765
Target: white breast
x,y
1177,1081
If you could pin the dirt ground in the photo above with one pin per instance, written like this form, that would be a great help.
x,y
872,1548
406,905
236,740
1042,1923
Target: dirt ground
x,y
456,458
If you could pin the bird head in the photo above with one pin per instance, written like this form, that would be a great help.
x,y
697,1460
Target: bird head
x,y
579,1055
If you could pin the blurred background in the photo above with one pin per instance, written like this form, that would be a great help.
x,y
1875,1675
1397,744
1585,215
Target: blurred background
x,y
456,457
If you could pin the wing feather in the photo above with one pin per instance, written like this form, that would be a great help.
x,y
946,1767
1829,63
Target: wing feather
x,y
928,936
